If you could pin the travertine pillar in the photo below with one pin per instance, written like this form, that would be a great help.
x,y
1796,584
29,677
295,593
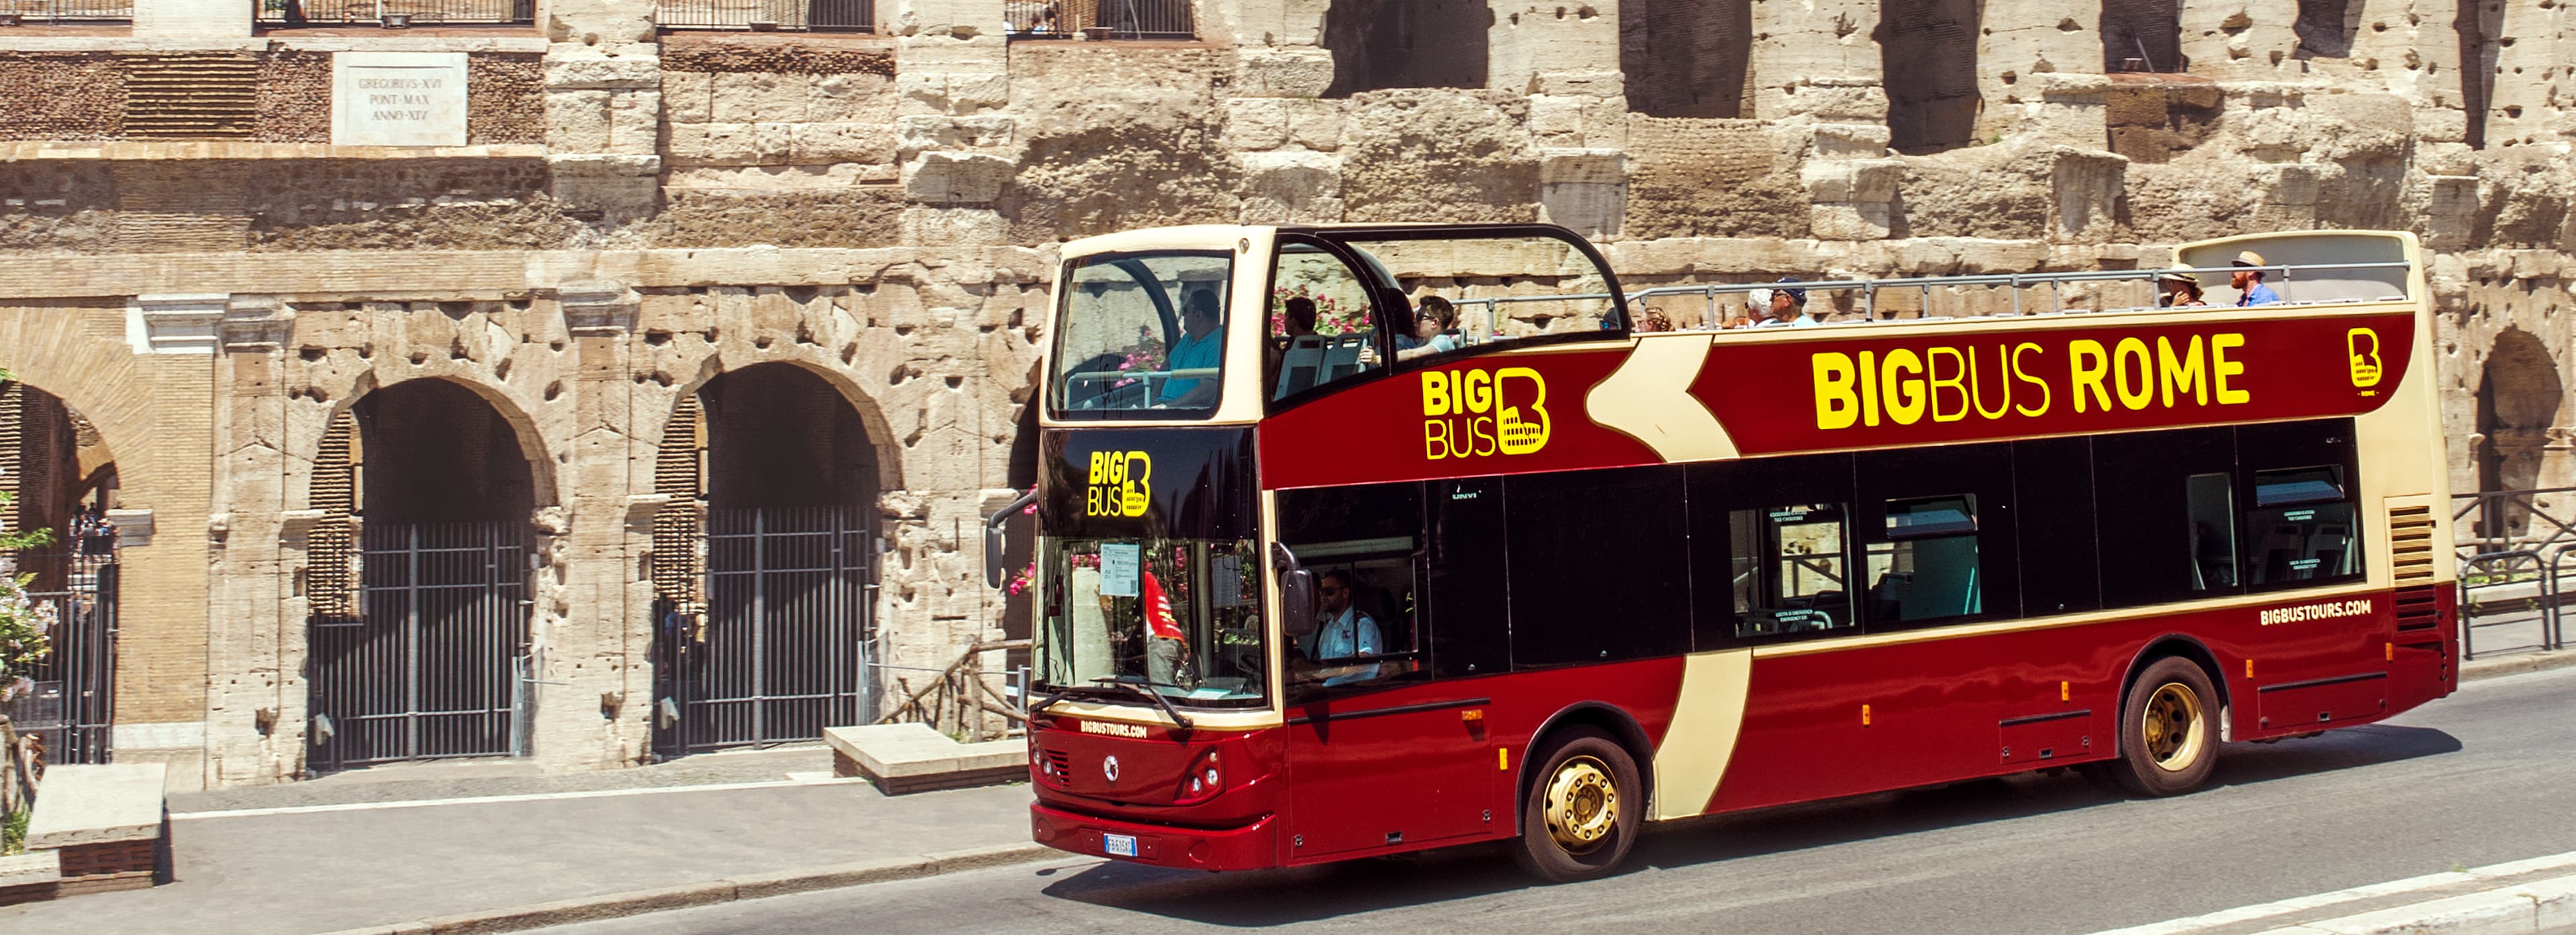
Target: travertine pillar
x,y
952,68
253,727
604,108
597,677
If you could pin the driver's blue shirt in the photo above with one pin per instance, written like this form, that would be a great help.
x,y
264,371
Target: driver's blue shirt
x,y
1199,353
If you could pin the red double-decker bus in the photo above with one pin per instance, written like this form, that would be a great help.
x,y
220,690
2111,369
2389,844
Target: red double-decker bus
x,y
1359,540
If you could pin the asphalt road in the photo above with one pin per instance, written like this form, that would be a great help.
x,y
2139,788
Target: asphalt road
x,y
2478,778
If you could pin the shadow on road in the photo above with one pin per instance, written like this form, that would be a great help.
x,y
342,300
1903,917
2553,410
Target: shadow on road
x,y
1280,897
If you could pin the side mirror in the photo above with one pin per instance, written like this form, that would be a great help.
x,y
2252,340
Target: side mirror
x,y
993,537
1296,592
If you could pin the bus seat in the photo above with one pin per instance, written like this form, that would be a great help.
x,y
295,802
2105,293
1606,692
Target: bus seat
x,y
1301,365
1342,356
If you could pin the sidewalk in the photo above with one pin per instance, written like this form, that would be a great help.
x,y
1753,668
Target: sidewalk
x,y
290,860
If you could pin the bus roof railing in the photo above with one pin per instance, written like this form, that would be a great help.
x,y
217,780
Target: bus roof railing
x,y
2015,281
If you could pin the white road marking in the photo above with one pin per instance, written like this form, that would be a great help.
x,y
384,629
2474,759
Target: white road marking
x,y
2372,891
491,799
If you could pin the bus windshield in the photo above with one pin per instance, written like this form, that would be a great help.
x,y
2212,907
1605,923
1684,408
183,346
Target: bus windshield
x,y
1141,335
1176,616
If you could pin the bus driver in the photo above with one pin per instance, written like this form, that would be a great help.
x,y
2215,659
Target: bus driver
x,y
1342,631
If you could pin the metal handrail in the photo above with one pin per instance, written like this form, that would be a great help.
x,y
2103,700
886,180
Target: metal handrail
x,y
2563,531
1869,286
2546,603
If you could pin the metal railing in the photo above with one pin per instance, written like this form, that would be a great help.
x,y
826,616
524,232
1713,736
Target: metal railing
x,y
394,13
2513,589
2507,520
1099,19
54,12
2016,282
767,15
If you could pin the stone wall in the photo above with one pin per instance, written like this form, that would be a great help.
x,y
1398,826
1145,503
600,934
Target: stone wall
x,y
637,214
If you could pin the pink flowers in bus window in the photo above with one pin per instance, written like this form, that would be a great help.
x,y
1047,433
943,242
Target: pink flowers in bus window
x,y
1331,317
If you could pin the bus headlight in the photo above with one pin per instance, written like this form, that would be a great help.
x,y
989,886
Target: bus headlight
x,y
1203,781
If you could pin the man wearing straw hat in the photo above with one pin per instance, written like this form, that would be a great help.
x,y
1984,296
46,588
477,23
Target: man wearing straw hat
x,y
2249,270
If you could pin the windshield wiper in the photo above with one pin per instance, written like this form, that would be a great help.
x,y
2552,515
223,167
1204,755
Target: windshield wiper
x,y
1146,689
1038,707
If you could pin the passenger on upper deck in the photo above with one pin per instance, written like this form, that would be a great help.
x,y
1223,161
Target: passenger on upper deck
x,y
1788,306
2248,279
2178,288
1297,318
1432,323
1200,348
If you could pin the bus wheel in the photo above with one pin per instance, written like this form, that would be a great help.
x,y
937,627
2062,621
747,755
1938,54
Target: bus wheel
x,y
2168,730
1583,809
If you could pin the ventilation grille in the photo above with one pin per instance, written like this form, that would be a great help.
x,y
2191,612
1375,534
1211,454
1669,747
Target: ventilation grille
x,y
2410,543
2418,609
182,96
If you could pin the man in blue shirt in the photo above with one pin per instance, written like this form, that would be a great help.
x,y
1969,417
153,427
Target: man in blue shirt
x,y
2248,279
1342,630
1201,347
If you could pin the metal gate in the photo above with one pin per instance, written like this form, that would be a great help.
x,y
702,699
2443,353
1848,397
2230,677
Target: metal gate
x,y
430,665
74,701
781,649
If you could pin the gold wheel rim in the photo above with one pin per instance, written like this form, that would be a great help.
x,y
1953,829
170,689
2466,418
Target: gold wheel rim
x,y
1582,805
2173,732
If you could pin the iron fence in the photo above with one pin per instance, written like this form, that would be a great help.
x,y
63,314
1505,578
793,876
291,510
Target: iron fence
x,y
762,15
72,707
1099,19
2512,596
781,649
66,11
290,13
2509,520
433,665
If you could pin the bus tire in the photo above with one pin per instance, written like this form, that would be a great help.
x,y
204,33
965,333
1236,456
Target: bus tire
x,y
1583,809
2168,730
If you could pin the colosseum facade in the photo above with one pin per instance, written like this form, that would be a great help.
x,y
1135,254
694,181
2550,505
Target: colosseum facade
x,y
602,281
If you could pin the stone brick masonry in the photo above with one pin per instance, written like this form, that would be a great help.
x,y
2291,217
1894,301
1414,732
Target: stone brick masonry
x,y
636,214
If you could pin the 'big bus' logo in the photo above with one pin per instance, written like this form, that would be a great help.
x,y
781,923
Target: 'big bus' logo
x,y
2361,347
1473,413
1120,484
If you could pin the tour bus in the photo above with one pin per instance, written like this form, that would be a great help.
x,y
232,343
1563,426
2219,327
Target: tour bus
x,y
1355,540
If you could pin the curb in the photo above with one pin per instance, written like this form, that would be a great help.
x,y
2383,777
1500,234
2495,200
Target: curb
x,y
2538,906
2488,668
752,886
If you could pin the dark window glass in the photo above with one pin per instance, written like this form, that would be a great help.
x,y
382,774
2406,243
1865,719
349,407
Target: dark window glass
x,y
1770,550
2301,528
1790,570
1600,565
1470,578
2053,493
1924,566
1936,535
2301,503
2161,539
1363,544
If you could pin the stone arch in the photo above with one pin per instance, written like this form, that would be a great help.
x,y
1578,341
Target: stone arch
x,y
50,350
1928,52
429,459
542,462
2520,395
1685,59
2150,30
880,433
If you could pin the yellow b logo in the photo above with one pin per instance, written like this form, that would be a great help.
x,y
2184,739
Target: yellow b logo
x,y
2361,349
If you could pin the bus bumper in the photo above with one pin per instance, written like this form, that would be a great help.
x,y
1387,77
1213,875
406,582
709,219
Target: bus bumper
x,y
1250,847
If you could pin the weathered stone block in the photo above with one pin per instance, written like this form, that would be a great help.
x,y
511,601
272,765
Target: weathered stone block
x,y
1256,123
970,92
2085,188
688,97
759,97
1850,220
1283,72
1851,140
849,97
589,68
634,122
1314,124
577,121
957,178
841,142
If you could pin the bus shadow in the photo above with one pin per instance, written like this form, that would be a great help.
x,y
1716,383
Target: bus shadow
x,y
1280,897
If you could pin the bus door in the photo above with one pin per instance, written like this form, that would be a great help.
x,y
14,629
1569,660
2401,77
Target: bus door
x,y
1380,753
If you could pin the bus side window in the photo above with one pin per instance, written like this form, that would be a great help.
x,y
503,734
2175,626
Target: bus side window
x,y
2212,516
1319,322
1792,569
2301,504
2164,536
1923,566
1362,543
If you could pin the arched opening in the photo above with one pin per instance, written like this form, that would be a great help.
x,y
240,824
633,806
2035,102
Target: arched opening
x,y
1928,49
763,563
1685,59
2519,395
60,480
2142,35
1380,44
415,575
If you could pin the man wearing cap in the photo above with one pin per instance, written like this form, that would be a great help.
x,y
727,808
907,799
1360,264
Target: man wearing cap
x,y
2248,279
1788,306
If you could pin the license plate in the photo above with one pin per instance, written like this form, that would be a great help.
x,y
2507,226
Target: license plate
x,y
1118,845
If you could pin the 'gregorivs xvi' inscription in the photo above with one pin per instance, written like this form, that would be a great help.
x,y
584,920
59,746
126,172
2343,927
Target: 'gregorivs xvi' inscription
x,y
398,98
